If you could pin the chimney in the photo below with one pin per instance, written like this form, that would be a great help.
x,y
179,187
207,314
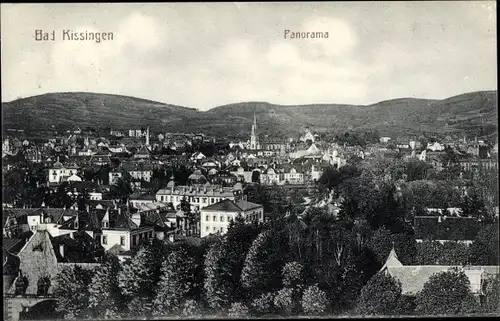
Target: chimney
x,y
61,249
119,211
71,236
88,208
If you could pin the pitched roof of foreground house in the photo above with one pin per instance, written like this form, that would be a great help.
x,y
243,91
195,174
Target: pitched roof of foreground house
x,y
413,277
38,258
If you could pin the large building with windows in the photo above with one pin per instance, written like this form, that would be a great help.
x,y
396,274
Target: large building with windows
x,y
198,196
60,172
216,217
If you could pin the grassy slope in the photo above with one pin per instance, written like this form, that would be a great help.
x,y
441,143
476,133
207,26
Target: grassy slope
x,y
466,112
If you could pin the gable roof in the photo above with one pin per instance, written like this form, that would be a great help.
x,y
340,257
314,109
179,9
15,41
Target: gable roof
x,y
413,277
230,206
78,248
56,214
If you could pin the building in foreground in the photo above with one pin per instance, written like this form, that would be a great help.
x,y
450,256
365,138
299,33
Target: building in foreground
x,y
413,277
216,217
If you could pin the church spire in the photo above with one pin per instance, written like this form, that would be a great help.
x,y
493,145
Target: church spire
x,y
254,139
254,126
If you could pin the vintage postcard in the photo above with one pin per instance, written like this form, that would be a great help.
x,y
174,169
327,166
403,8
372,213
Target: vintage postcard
x,y
249,160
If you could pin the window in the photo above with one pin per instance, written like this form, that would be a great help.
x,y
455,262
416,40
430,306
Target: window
x,y
134,240
215,218
43,286
213,228
104,240
122,240
207,228
222,218
207,218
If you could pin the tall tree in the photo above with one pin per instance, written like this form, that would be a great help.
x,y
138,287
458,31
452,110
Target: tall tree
x,y
446,293
71,288
105,299
216,290
381,244
139,276
492,295
484,248
262,269
175,283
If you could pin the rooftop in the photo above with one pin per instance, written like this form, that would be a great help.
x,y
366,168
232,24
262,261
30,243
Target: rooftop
x,y
232,206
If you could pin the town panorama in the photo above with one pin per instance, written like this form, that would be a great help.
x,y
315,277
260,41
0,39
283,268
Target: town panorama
x,y
335,160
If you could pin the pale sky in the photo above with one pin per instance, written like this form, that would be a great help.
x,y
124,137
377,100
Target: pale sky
x,y
205,55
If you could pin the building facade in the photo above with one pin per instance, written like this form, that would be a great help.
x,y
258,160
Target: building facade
x,y
216,217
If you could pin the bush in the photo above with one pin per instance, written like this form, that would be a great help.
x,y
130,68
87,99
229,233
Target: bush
x,y
292,274
406,305
314,301
492,295
191,309
238,310
380,296
283,301
264,304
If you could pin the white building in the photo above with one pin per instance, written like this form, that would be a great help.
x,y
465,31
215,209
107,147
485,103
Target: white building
x,y
216,217
435,146
292,176
308,135
198,196
59,172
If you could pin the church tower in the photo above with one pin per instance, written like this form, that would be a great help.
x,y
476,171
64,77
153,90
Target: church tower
x,y
254,139
147,136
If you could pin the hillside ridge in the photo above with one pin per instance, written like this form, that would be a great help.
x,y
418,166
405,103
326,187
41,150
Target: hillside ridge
x,y
465,112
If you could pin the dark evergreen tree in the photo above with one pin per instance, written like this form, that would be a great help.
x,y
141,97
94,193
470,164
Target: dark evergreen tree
x,y
72,290
380,296
175,283
105,299
446,293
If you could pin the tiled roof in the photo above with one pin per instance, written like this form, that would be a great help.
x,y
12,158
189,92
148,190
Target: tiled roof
x,y
142,197
136,166
143,151
198,190
116,249
13,245
413,278
231,206
449,228
56,214
81,248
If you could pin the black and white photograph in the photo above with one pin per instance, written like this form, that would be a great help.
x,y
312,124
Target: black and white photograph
x,y
249,160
